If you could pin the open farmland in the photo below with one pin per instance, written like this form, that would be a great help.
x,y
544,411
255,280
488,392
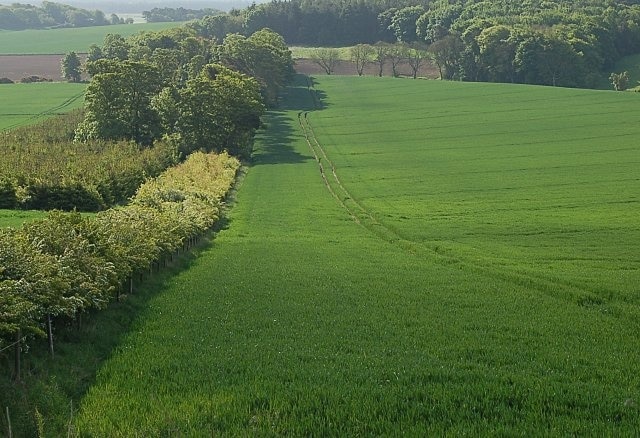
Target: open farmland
x,y
60,41
27,103
471,270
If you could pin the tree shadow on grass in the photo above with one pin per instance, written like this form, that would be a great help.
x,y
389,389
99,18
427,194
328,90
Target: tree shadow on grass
x,y
55,387
281,129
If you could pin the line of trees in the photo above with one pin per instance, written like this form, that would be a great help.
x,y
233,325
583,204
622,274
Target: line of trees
x,y
552,42
166,14
175,91
19,16
185,87
61,267
42,169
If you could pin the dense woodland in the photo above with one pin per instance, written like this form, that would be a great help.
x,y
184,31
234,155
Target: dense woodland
x,y
559,42
20,16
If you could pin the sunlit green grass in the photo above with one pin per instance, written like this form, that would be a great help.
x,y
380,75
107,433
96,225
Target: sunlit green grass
x,y
59,41
301,321
15,218
28,103
534,180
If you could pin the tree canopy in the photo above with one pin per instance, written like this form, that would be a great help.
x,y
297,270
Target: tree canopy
x,y
551,42
179,84
19,16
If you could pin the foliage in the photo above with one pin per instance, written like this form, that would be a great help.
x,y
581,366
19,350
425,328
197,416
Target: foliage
x,y
70,66
67,264
232,108
361,55
118,101
620,81
19,16
559,42
327,58
43,169
164,84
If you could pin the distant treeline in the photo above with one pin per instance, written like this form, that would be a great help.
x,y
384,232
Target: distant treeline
x,y
159,15
553,42
20,16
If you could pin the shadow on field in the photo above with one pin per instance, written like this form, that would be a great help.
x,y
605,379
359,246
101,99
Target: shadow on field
x,y
279,134
55,387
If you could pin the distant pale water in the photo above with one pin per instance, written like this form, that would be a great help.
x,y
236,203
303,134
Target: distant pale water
x,y
137,18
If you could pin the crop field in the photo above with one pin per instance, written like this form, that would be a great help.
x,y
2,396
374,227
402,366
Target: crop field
x,y
60,41
460,258
27,103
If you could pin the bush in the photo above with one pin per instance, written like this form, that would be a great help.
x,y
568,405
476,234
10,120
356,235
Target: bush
x,y
6,81
8,198
31,79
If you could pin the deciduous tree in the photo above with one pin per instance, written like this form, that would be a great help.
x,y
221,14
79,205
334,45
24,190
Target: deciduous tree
x,y
326,58
70,66
361,55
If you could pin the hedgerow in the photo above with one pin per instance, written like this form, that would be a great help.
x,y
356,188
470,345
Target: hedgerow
x,y
68,263
43,169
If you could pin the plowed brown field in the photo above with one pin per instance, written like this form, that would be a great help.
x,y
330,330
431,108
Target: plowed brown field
x,y
16,67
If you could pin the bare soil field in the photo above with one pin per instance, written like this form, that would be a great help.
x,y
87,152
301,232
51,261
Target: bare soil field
x,y
16,67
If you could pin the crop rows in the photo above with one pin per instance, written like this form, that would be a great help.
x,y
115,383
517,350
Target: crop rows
x,y
300,320
60,41
531,181
28,103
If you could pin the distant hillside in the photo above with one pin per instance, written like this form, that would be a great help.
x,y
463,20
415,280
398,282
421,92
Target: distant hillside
x,y
124,6
18,16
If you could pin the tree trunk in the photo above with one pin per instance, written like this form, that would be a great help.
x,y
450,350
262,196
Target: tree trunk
x,y
9,431
50,334
17,357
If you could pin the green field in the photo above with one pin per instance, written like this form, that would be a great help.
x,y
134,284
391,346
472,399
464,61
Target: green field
x,y
23,104
471,268
59,41
15,218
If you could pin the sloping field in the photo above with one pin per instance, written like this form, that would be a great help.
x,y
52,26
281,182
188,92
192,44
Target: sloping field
x,y
405,312
27,103
60,41
536,181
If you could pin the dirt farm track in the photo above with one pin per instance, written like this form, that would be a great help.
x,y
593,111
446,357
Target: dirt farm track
x,y
16,67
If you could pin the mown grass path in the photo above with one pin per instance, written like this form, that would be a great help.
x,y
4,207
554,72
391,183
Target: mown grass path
x,y
301,320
